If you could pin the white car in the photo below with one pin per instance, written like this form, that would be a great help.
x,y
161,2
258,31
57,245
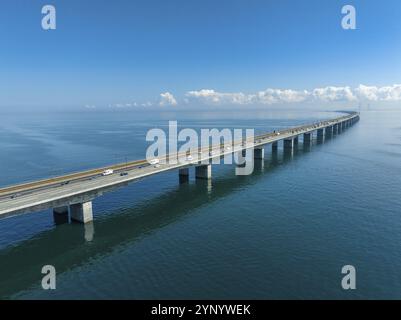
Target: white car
x,y
228,148
154,161
190,158
107,172
211,153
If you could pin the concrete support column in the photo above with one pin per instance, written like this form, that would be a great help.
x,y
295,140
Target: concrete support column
x,y
307,139
275,146
60,215
320,134
329,131
288,144
183,175
61,210
203,171
82,212
259,153
296,140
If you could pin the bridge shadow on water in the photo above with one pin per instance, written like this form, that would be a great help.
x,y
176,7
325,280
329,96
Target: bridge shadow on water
x,y
71,245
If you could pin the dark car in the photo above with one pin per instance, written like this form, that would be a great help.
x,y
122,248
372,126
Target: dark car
x,y
123,174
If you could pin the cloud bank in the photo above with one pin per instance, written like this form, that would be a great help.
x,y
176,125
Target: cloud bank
x,y
272,96
280,96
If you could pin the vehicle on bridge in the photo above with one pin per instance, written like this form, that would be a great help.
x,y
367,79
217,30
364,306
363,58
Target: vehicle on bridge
x,y
154,161
107,172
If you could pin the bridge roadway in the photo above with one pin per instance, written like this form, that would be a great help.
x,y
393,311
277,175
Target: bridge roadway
x,y
73,193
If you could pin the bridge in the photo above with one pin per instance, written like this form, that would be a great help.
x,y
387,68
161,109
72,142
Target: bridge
x,y
72,194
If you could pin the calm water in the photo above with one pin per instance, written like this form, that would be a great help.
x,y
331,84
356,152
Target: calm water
x,y
283,232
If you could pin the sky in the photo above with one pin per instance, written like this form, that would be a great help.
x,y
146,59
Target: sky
x,y
191,53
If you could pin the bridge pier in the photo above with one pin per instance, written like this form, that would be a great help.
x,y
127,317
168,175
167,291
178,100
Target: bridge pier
x,y
81,212
296,140
183,175
203,171
274,146
307,139
320,135
329,131
289,144
60,215
334,130
61,210
259,153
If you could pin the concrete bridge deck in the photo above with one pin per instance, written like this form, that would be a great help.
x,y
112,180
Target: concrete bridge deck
x,y
73,193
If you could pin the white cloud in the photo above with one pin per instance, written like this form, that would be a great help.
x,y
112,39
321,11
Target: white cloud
x,y
330,94
167,99
129,105
272,96
213,97
268,96
373,93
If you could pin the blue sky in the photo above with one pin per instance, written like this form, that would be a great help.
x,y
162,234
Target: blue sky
x,y
108,53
